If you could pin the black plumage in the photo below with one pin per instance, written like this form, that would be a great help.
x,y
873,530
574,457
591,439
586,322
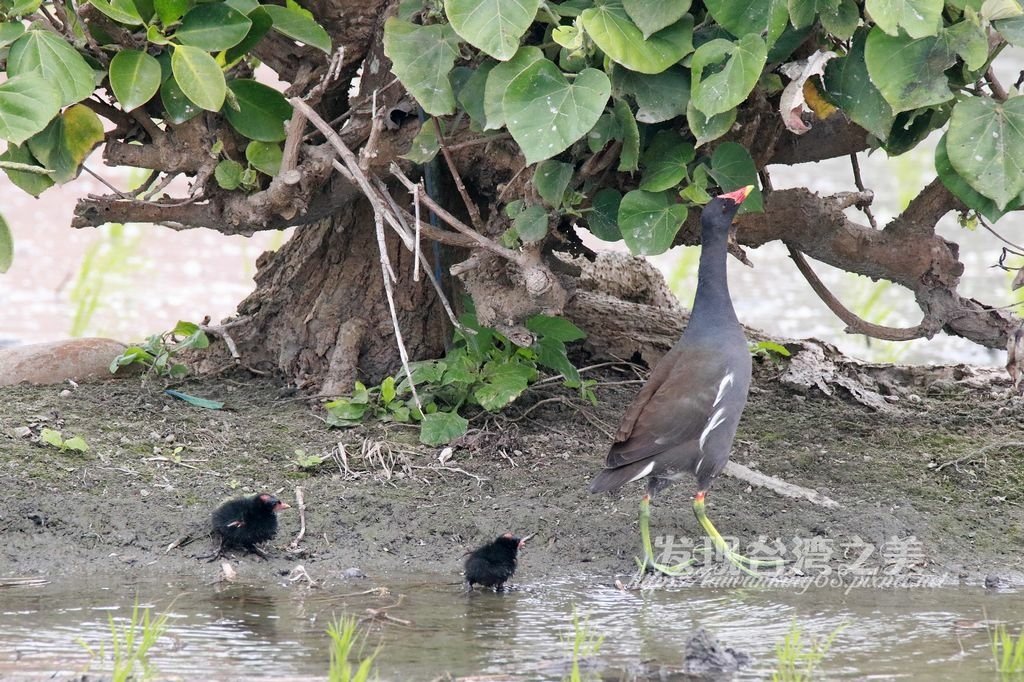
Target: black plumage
x,y
493,564
245,522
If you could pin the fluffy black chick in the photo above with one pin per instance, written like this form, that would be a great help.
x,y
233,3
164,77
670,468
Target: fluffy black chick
x,y
494,563
247,521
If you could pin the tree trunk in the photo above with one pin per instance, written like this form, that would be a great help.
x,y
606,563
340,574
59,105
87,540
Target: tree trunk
x,y
320,315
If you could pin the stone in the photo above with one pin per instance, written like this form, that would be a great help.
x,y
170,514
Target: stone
x,y
56,362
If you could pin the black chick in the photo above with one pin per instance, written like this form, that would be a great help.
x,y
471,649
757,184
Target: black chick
x,y
494,563
246,521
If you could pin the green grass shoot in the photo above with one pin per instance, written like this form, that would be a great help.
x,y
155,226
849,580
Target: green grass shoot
x,y
1007,650
585,644
799,657
348,662
130,644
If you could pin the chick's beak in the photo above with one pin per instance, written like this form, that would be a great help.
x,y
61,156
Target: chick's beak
x,y
281,505
523,540
739,196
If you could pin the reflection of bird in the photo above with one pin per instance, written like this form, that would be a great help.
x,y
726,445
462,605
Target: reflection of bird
x,y
684,418
494,563
247,521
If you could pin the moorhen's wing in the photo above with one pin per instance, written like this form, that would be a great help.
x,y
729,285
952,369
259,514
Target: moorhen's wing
x,y
680,400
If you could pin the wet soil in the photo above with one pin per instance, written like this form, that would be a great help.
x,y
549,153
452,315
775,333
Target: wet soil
x,y
943,474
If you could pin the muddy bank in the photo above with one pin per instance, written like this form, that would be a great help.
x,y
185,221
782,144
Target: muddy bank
x,y
942,477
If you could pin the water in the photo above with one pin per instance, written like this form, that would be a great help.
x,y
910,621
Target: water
x,y
277,630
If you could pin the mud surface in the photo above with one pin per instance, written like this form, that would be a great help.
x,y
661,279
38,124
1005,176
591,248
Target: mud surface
x,y
946,468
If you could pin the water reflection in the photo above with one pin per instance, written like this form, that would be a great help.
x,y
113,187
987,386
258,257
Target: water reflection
x,y
247,631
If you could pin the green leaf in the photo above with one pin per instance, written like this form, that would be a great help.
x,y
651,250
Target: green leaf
x,y
732,168
246,7
34,183
969,40
213,26
718,92
27,105
10,31
169,11
425,145
494,26
6,246
910,73
54,61
441,428
228,174
763,17
665,161
770,347
471,95
532,224
199,77
985,144
919,18
603,217
121,11
960,188
841,22
387,390
67,141
659,97
264,157
261,24
345,412
193,400
20,8
611,29
851,89
178,107
76,443
422,57
704,128
651,17
545,113
551,353
629,156
503,382
51,437
551,178
262,111
134,77
1011,29
297,25
557,328
498,81
649,221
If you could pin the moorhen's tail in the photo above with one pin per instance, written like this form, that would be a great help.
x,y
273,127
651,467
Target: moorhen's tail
x,y
615,478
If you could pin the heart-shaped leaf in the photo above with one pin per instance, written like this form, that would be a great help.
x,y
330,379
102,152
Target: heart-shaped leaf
x,y
611,29
659,97
422,57
919,18
53,60
551,178
764,17
442,427
264,156
498,80
718,92
732,168
199,77
545,113
531,224
910,73
603,216
649,221
848,82
985,144
494,26
651,17
665,161
960,188
27,104
134,77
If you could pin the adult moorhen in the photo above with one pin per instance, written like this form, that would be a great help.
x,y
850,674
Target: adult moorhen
x,y
684,418
247,521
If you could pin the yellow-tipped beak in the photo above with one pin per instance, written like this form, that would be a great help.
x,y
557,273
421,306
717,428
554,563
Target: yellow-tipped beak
x,y
739,195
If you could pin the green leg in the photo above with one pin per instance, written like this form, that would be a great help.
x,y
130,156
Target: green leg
x,y
741,562
645,539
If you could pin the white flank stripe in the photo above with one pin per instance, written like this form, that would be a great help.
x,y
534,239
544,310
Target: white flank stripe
x,y
726,383
717,418
697,470
643,472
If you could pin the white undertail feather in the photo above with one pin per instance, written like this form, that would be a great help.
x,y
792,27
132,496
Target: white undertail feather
x,y
717,418
643,472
